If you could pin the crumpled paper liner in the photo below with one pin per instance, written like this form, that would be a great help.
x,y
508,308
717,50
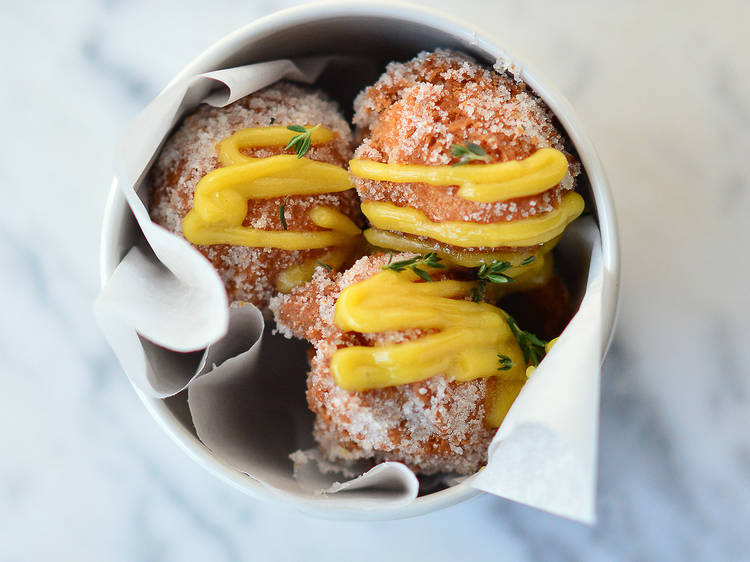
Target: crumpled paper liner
x,y
254,419
164,312
544,453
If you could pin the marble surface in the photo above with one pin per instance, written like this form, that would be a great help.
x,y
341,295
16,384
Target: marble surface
x,y
664,90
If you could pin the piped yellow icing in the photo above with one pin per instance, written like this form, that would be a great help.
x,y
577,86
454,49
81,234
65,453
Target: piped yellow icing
x,y
530,231
465,342
299,274
501,394
221,196
547,347
229,150
480,182
452,256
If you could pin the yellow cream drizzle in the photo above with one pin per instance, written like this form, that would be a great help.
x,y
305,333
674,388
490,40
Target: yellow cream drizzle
x,y
452,256
466,345
525,277
531,368
299,274
229,149
482,182
221,196
501,394
531,231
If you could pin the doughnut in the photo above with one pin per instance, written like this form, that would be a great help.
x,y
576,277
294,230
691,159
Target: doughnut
x,y
254,273
417,115
432,426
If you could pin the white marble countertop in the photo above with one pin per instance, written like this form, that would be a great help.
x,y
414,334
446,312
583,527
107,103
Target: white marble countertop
x,y
664,90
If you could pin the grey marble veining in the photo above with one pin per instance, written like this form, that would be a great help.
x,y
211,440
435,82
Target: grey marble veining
x,y
664,90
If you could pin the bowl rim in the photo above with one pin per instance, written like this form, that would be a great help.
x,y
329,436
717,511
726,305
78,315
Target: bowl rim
x,y
116,210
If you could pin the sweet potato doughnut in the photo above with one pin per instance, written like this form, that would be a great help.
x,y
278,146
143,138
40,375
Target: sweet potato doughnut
x,y
418,109
249,274
432,426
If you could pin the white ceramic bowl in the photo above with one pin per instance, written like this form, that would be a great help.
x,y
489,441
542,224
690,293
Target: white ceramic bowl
x,y
390,32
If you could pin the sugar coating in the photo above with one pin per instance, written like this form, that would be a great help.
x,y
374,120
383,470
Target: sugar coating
x,y
506,66
249,274
433,426
417,110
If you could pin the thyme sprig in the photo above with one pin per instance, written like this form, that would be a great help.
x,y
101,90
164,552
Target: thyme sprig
x,y
300,143
468,153
323,264
282,210
505,362
430,259
493,273
533,347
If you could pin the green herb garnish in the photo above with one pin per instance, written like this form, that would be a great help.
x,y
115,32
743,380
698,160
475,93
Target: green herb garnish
x,y
533,348
468,153
429,260
282,209
493,273
477,293
505,362
301,142
320,263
